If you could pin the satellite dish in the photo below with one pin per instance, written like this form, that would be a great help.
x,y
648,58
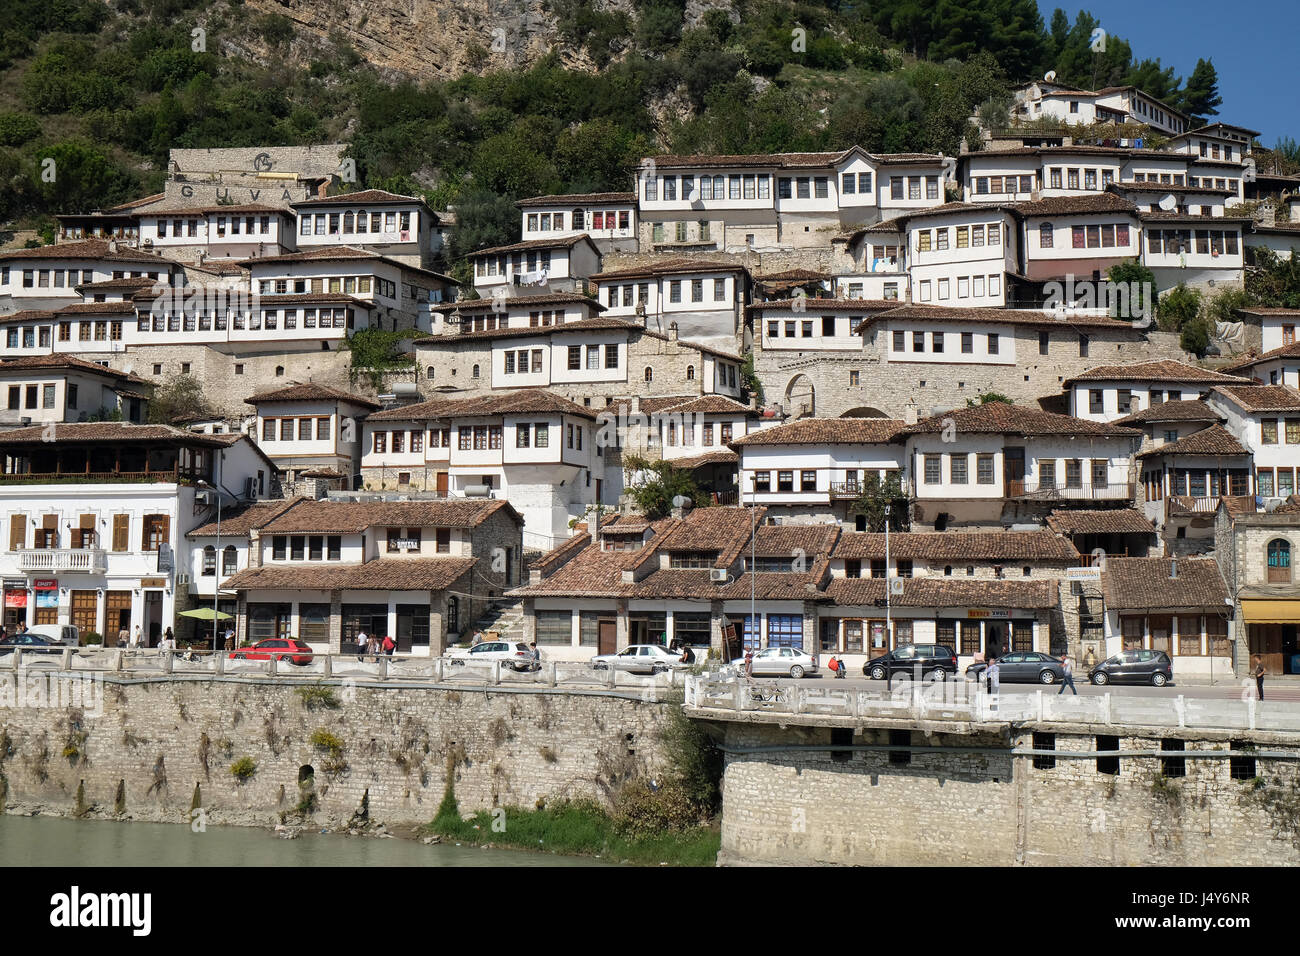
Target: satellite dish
x,y
1169,204
1050,76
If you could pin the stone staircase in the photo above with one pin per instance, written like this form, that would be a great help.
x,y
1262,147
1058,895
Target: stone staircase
x,y
505,618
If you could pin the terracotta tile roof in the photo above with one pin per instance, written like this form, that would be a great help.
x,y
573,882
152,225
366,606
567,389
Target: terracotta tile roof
x,y
1262,398
179,211
1076,205
353,517
116,432
1161,216
551,298
1215,441
364,196
85,249
237,522
1188,410
525,401
825,431
709,405
1289,507
793,275
592,573
1135,584
1268,310
814,306
1252,359
559,242
999,418
63,363
1111,521
723,530
310,392
722,457
338,254
785,540
557,556
580,198
110,285
1165,370
674,266
959,546
596,323
1150,187
749,159
309,298
947,593
938,313
381,574
99,308
649,405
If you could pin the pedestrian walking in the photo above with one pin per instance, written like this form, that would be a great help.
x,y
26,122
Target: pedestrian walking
x,y
123,635
135,638
995,677
1067,678
372,648
363,644
389,645
230,638
749,663
1258,672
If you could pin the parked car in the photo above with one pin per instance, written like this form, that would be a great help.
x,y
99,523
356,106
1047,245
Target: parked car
x,y
518,656
1134,667
65,634
281,648
31,643
934,661
640,658
1028,667
778,661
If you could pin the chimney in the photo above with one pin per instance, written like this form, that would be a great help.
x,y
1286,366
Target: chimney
x,y
672,331
1173,570
910,413
636,405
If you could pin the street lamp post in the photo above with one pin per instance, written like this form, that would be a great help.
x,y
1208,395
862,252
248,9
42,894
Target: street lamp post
x,y
889,628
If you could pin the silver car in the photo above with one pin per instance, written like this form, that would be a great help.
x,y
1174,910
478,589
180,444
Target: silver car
x,y
779,662
640,659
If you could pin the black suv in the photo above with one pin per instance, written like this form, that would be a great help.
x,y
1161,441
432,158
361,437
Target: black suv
x,y
925,660
1134,667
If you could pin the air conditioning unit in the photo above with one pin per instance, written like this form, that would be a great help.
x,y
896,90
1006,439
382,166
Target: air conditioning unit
x,y
718,575
148,243
250,487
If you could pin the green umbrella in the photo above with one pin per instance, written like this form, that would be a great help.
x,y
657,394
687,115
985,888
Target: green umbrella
x,y
205,614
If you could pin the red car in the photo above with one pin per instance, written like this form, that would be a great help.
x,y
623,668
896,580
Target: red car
x,y
281,648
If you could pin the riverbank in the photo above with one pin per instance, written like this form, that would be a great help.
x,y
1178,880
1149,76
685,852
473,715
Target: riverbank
x,y
580,829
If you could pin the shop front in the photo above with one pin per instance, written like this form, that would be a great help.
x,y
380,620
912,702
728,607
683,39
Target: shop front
x,y
16,601
1272,625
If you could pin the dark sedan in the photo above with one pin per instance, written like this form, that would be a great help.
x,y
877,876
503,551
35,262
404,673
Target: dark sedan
x,y
31,644
1027,667
929,661
1134,667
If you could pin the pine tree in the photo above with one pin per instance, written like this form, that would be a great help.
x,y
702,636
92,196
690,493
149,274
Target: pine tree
x,y
1201,99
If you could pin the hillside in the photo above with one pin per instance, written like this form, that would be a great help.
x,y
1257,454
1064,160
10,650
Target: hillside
x,y
565,97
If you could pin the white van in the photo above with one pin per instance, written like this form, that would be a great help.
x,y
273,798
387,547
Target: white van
x,y
65,634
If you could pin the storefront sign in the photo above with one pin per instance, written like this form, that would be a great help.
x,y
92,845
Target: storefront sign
x,y
1083,574
153,582
15,598
45,584
979,613
47,598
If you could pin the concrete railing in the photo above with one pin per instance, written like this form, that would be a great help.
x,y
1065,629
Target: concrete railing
x,y
456,671
956,701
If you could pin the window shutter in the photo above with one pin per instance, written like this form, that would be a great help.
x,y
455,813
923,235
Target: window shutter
x,y
50,522
164,529
87,522
17,532
121,532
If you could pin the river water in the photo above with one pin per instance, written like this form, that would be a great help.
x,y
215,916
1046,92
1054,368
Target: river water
x,y
56,841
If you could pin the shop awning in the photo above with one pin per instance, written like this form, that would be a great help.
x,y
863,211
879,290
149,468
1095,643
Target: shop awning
x,y
1272,611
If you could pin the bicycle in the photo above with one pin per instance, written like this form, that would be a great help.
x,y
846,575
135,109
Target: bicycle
x,y
767,694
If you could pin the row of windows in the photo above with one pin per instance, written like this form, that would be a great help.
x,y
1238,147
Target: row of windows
x,y
1275,482
997,185
347,285
299,547
54,278
304,429
517,361
967,286
1213,242
806,326
1269,431
229,560
496,265
83,531
337,318
966,236
599,219
747,186
333,223
1106,236
706,433
46,396
1198,483
937,341
1157,633
594,355
252,225
1072,177
681,232
958,469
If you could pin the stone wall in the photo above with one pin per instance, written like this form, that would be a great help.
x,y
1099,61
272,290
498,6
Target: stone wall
x,y
977,805
157,741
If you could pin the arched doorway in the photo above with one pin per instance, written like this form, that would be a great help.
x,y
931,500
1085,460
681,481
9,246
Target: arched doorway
x,y
800,397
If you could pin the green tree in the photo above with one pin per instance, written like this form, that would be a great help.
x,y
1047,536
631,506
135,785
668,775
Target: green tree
x,y
1200,98
80,178
1136,278
179,396
1272,280
876,496
1177,307
654,484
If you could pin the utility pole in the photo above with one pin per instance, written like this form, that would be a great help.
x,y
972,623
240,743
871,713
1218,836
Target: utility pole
x,y
889,628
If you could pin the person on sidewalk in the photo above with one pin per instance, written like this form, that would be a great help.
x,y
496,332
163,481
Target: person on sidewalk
x,y
363,644
389,645
995,677
1258,672
1067,678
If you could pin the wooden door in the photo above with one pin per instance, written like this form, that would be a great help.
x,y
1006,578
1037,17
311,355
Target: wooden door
x,y
442,483
1013,470
607,636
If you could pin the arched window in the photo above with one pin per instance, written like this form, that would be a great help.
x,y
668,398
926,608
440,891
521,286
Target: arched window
x,y
1279,561
579,219
361,221
430,373
475,371
229,560
348,222
279,371
209,560
649,374
690,373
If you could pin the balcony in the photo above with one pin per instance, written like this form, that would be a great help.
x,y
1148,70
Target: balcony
x,y
1118,491
845,489
62,560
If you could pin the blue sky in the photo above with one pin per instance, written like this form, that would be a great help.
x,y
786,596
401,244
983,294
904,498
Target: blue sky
x,y
1253,46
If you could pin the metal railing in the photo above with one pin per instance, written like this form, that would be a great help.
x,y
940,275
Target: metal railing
x,y
453,671
958,702
1115,491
